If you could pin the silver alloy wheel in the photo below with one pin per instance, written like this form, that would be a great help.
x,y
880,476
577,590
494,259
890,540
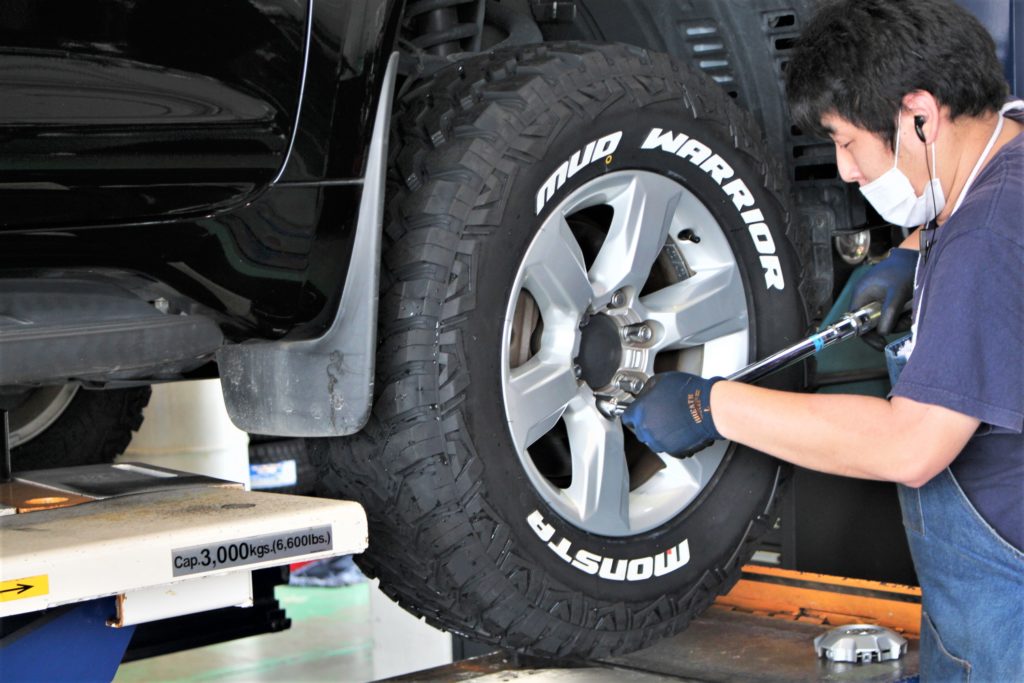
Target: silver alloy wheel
x,y
698,320
38,411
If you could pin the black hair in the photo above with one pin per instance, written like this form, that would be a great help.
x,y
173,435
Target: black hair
x,y
858,58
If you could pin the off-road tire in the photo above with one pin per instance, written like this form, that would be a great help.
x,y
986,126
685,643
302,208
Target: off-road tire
x,y
95,428
446,496
264,450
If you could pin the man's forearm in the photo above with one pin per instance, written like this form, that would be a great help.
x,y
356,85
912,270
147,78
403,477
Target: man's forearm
x,y
855,436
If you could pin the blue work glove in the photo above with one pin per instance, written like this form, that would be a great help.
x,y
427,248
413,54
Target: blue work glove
x,y
673,414
891,283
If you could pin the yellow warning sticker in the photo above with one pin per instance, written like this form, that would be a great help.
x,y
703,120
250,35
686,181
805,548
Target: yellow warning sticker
x,y
29,587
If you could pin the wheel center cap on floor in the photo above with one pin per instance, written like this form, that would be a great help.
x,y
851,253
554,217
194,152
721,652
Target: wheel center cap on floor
x,y
600,351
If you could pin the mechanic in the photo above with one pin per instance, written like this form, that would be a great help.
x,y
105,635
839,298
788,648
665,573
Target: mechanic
x,y
913,96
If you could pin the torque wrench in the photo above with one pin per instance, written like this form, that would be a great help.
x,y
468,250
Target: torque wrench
x,y
852,324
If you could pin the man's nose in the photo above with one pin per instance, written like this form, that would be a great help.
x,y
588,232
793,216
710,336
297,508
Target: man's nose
x,y
848,170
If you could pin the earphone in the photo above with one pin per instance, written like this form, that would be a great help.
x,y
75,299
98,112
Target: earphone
x,y
919,127
931,225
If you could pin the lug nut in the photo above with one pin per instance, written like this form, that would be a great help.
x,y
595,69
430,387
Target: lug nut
x,y
577,370
640,333
618,299
633,385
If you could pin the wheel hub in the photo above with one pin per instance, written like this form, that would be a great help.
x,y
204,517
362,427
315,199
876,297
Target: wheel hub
x,y
600,351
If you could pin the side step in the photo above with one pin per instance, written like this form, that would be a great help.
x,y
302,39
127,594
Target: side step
x,y
60,329
165,543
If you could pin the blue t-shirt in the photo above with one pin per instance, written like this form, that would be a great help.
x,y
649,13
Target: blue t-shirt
x,y
969,347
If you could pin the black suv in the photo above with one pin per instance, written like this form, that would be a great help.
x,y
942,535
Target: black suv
x,y
427,235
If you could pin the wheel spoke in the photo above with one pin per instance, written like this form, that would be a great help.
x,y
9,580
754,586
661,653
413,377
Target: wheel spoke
x,y
600,479
538,394
706,310
699,309
555,274
643,213
684,473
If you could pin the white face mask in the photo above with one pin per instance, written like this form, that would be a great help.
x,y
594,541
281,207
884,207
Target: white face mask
x,y
894,198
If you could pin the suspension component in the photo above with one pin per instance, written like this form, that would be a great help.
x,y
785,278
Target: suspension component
x,y
444,27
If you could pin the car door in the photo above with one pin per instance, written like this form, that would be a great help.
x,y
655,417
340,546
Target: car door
x,y
120,111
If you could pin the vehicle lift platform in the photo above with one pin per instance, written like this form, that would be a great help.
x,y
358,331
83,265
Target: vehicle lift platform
x,y
99,549
102,548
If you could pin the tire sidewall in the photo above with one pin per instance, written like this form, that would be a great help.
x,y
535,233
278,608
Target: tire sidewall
x,y
716,522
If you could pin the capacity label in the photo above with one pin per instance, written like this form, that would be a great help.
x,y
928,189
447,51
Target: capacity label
x,y
236,553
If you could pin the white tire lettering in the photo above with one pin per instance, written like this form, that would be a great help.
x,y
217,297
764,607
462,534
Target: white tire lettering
x,y
694,150
683,146
672,559
717,169
576,161
543,530
587,561
666,142
551,185
640,569
595,150
752,216
615,570
607,145
610,568
739,193
762,237
562,549
772,272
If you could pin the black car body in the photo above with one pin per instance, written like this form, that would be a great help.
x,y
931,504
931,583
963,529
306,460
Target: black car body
x,y
209,156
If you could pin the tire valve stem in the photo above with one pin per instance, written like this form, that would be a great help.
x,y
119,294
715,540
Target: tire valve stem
x,y
688,235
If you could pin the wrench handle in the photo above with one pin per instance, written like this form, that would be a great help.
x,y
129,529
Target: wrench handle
x,y
852,324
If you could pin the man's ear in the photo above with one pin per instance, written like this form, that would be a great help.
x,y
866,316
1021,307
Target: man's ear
x,y
924,109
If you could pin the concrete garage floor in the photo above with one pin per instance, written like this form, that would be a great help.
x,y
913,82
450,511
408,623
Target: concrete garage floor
x,y
347,634
356,634
721,646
